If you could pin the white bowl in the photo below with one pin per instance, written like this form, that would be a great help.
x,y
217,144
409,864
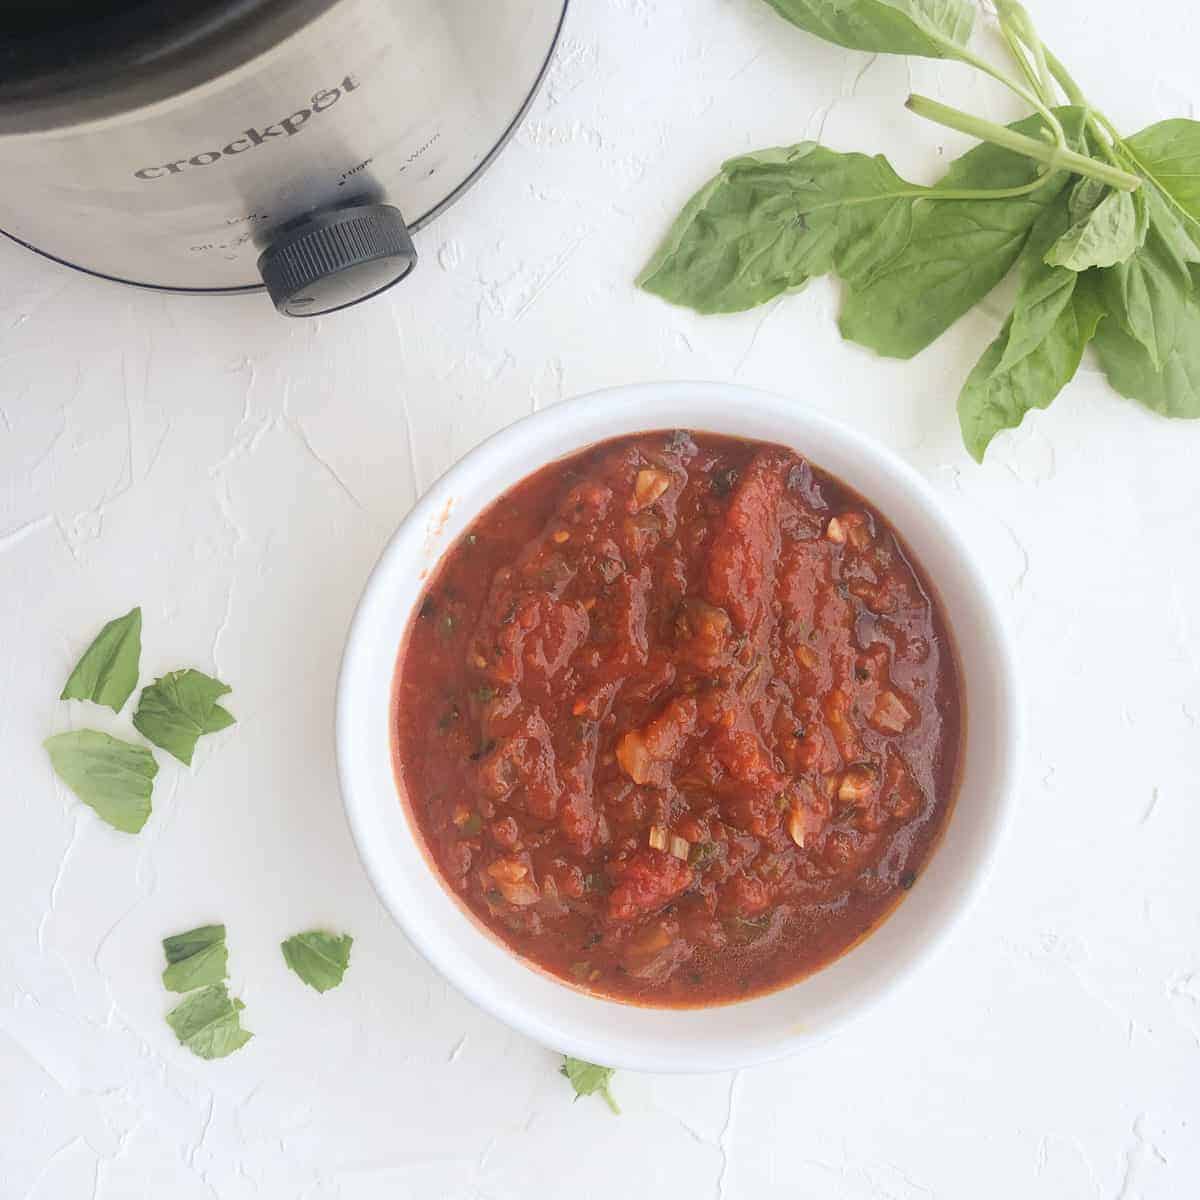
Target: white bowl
x,y
607,1031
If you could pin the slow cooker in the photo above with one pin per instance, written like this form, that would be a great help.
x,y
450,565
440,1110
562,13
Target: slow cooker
x,y
227,145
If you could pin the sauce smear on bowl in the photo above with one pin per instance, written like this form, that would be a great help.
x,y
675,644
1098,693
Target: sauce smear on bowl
x,y
678,718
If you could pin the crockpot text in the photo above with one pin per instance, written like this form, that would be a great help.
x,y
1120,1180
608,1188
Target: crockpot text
x,y
252,138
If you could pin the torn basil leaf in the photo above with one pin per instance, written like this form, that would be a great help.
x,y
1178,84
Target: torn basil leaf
x,y
176,710
587,1079
196,958
112,777
108,671
319,958
208,1022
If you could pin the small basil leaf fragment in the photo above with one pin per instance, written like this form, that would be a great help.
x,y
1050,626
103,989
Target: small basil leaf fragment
x,y
208,1022
108,671
587,1079
196,958
111,776
176,710
319,958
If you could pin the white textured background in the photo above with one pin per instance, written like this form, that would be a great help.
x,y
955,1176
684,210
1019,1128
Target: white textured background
x,y
236,475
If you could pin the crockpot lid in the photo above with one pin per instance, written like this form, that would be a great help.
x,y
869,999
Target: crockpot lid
x,y
67,62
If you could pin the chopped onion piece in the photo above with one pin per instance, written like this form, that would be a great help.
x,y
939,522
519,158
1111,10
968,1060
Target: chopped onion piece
x,y
891,713
634,757
680,847
512,879
797,826
658,837
857,783
649,485
806,657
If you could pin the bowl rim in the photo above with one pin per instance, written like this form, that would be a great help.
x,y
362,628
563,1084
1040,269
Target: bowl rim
x,y
429,512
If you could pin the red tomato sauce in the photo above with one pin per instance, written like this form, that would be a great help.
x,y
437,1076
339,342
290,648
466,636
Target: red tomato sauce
x,y
678,718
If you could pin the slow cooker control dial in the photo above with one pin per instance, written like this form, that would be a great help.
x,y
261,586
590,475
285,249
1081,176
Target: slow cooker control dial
x,y
330,260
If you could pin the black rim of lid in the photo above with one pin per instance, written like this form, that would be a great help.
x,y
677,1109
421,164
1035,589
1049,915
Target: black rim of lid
x,y
131,55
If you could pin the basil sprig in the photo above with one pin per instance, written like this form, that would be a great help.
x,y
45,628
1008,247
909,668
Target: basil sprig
x,y
1105,229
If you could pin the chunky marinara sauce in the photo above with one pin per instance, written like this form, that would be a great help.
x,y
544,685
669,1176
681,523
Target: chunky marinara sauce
x,y
679,718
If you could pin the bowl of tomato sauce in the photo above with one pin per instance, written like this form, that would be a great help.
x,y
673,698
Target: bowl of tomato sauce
x,y
677,726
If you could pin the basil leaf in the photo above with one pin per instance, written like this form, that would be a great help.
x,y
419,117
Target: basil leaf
x,y
177,709
1044,290
319,958
587,1079
1178,235
108,671
928,28
196,958
113,777
208,1022
997,397
959,249
1149,291
1169,154
1108,235
772,220
1171,387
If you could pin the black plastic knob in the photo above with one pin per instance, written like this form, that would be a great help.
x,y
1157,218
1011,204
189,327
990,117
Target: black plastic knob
x,y
331,260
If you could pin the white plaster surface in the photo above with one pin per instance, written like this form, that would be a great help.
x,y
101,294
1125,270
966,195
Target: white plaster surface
x,y
236,475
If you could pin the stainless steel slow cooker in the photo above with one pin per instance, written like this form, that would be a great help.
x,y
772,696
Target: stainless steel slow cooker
x,y
224,145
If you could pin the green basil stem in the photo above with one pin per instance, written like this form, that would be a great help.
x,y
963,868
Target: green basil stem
x,y
1039,58
1030,97
1100,126
1107,136
1015,19
1103,129
1055,157
1010,193
937,192
1018,54
1062,76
